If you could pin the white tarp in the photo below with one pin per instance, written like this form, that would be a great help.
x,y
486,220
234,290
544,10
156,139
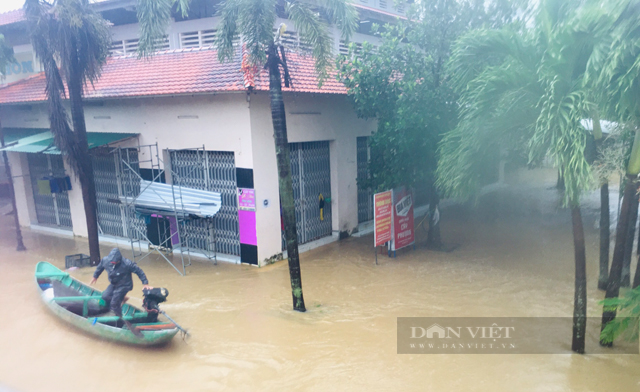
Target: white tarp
x,y
156,196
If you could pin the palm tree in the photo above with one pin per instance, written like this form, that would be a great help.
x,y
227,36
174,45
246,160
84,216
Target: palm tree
x,y
72,41
605,234
615,70
253,21
525,90
6,58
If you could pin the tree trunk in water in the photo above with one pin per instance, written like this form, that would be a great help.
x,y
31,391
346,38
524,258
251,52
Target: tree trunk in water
x,y
20,244
613,285
84,164
560,182
625,279
434,240
636,278
605,236
580,295
284,177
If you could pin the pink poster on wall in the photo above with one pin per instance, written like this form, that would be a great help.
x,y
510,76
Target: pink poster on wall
x,y
246,199
247,216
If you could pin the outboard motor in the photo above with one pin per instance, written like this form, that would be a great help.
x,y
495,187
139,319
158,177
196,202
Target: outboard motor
x,y
153,297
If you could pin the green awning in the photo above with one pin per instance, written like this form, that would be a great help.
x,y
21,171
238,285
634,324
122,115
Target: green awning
x,y
12,135
43,142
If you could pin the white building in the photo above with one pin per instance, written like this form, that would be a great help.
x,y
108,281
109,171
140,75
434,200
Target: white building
x,y
208,121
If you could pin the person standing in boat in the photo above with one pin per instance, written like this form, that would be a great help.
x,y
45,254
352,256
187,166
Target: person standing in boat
x,y
119,270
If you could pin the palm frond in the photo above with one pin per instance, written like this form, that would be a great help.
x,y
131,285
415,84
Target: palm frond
x,y
343,14
481,48
256,20
560,134
228,31
72,41
315,32
6,56
153,17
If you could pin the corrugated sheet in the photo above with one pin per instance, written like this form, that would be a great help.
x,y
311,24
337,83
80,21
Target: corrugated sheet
x,y
158,197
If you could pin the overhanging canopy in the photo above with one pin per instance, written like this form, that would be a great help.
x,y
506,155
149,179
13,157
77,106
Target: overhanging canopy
x,y
12,135
43,142
157,197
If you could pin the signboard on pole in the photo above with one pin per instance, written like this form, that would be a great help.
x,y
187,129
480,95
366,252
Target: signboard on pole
x,y
382,217
403,233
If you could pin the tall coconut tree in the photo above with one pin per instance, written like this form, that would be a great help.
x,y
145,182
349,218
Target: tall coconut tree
x,y
525,90
6,58
616,70
72,41
254,21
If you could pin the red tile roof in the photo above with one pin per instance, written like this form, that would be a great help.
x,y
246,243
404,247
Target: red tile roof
x,y
12,17
176,72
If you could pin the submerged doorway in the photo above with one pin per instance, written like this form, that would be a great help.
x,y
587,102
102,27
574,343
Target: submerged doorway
x,y
311,175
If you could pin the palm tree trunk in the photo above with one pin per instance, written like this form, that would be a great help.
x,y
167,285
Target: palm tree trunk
x,y
580,295
284,177
86,177
434,240
20,244
629,197
560,182
613,285
605,236
636,277
625,279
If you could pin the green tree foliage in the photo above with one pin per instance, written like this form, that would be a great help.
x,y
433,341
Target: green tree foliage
x,y
6,59
404,85
395,84
615,69
530,92
626,322
6,56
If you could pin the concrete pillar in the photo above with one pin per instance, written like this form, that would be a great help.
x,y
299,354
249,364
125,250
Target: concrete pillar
x,y
265,178
344,189
22,185
76,203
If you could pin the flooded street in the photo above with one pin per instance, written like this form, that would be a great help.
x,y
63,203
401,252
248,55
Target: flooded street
x,y
514,258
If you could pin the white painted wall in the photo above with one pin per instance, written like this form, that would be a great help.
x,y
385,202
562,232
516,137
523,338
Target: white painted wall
x,y
310,117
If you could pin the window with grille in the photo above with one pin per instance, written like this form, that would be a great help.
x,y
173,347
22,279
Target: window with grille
x,y
382,4
291,40
198,39
344,47
130,46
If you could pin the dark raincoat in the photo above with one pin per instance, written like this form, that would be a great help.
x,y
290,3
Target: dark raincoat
x,y
120,278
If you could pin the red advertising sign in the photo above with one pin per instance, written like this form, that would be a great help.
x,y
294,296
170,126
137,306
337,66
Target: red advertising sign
x,y
382,217
403,234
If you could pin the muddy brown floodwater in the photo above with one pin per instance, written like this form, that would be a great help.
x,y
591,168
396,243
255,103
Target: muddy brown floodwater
x,y
514,259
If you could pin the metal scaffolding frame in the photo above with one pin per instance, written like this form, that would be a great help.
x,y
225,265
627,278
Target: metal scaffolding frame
x,y
129,182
